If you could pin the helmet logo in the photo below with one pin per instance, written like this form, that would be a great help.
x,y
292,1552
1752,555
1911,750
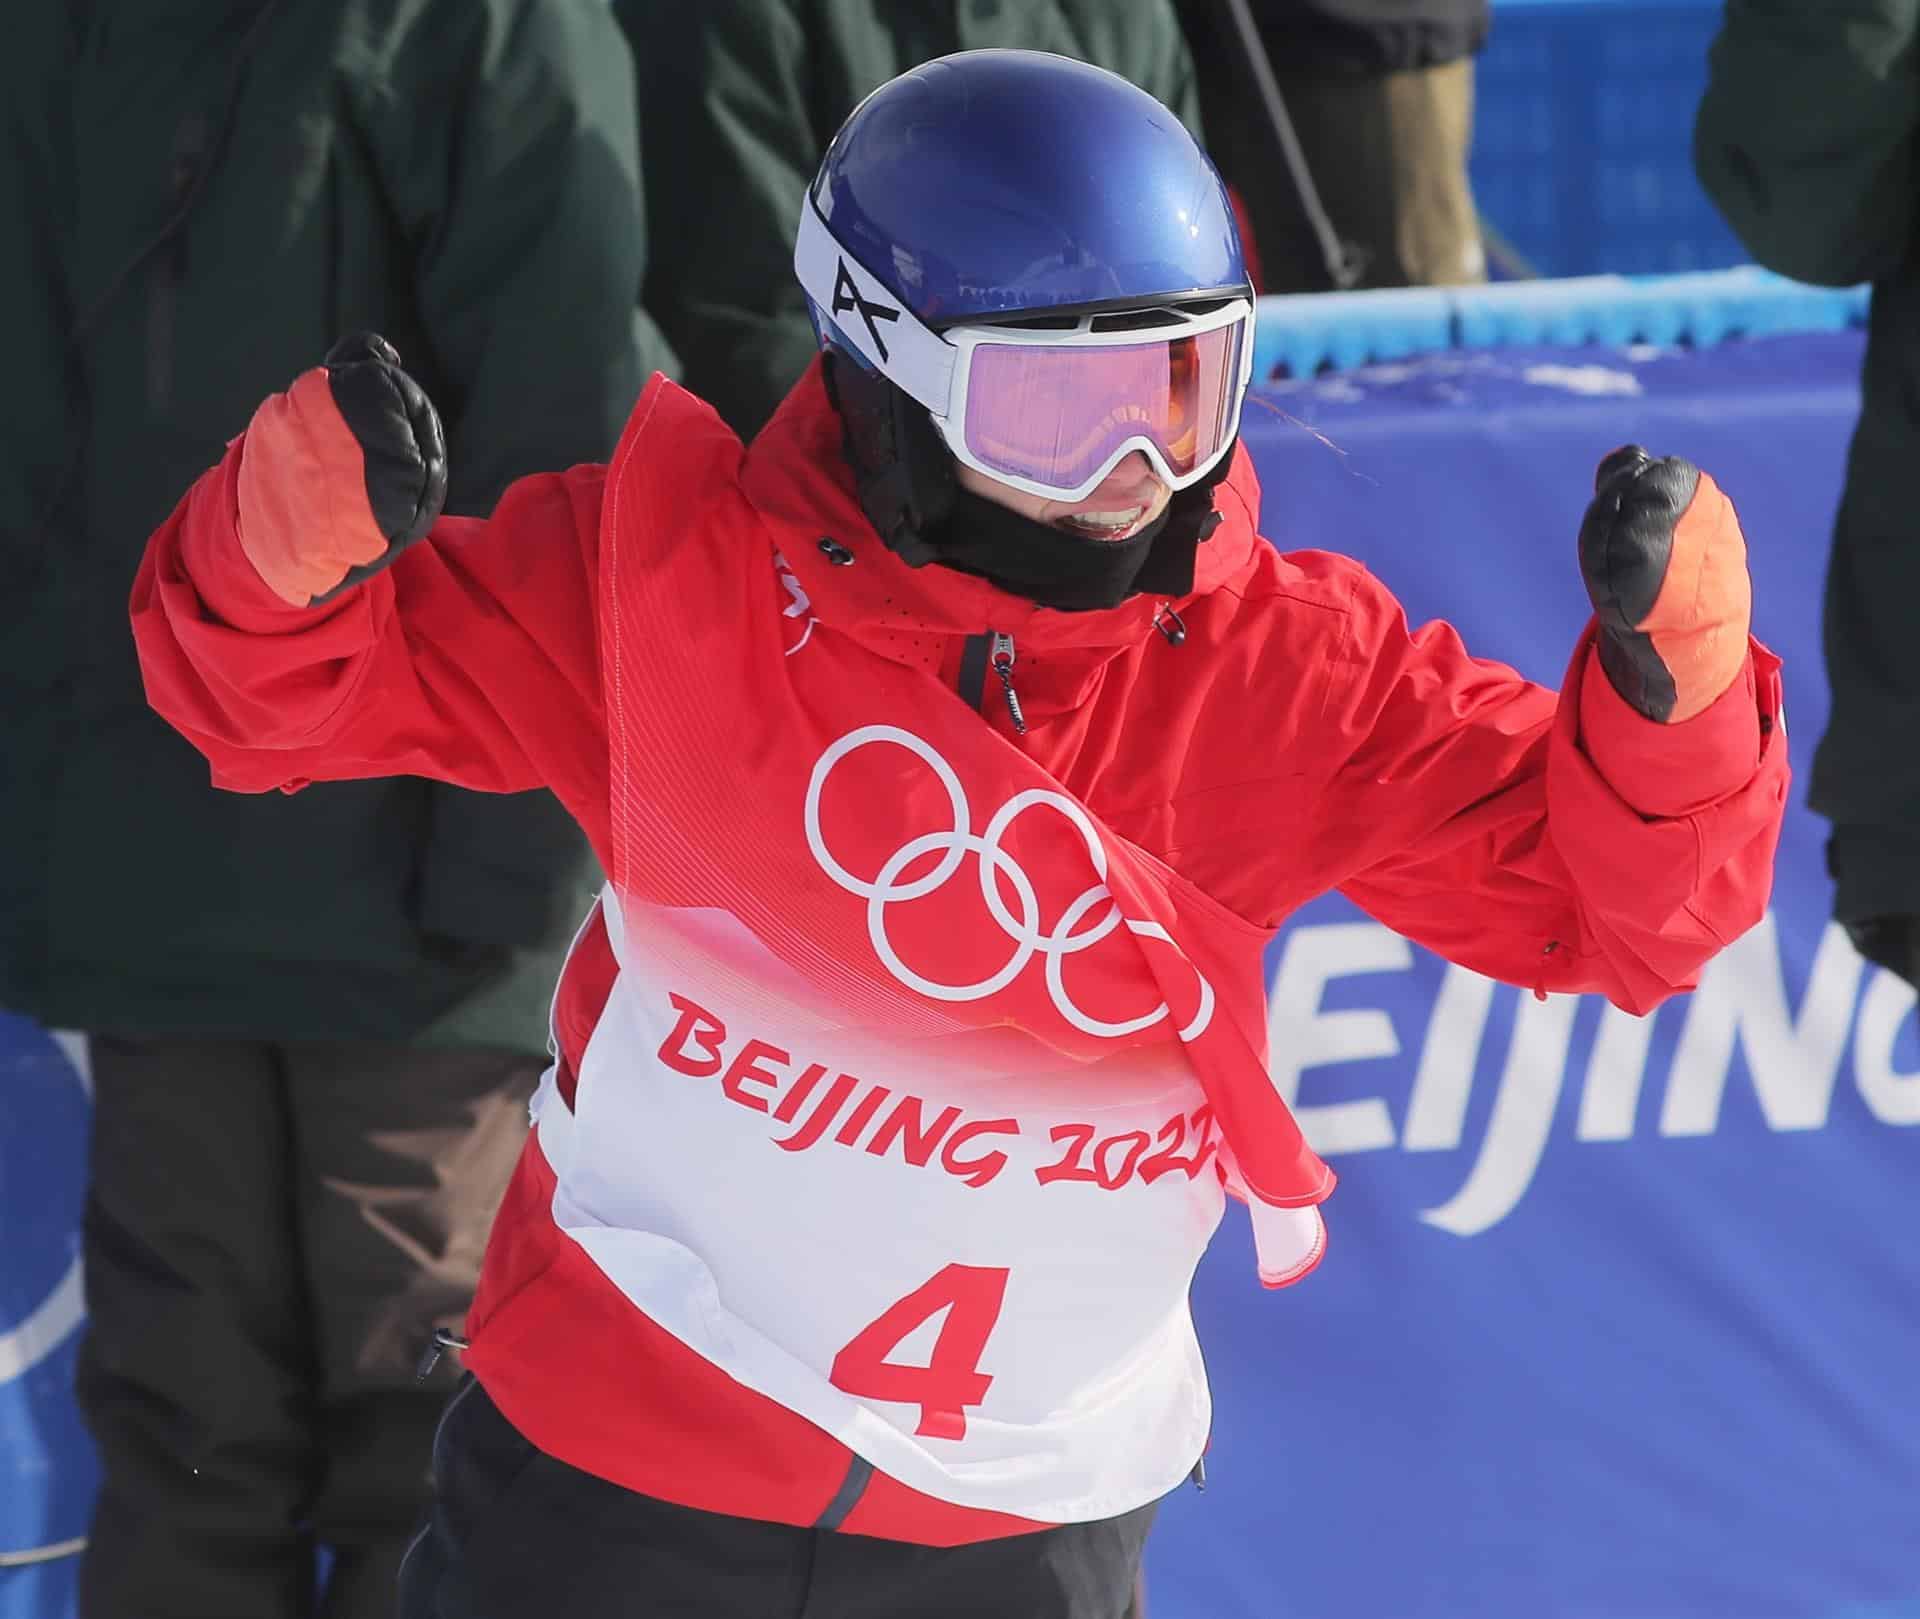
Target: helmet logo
x,y
847,296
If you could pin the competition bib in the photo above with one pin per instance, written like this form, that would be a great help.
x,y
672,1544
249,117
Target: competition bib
x,y
918,1091
968,1265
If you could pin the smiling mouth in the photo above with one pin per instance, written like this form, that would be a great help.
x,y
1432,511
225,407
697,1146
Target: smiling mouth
x,y
1118,525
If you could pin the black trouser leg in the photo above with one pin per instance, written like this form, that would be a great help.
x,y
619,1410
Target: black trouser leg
x,y
516,1534
400,1159
1387,154
272,1235
1078,1571
195,1371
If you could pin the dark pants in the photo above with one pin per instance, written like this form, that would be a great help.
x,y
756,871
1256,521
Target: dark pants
x,y
272,1233
515,1534
1388,156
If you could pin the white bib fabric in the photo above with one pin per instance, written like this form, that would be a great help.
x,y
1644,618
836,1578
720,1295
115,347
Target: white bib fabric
x,y
969,1269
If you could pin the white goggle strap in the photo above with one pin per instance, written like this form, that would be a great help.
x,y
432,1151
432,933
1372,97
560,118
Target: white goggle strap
x,y
912,355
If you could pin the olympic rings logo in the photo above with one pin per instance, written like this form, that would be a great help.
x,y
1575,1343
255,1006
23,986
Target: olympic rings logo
x,y
997,869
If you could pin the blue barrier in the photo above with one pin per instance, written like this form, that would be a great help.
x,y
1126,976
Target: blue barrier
x,y
1583,135
1297,334
47,1469
1618,1318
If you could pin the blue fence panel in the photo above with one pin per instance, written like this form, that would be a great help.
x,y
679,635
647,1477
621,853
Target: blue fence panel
x,y
1583,135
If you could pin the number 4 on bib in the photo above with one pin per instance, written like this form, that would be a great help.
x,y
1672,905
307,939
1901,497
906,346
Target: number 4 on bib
x,y
951,1380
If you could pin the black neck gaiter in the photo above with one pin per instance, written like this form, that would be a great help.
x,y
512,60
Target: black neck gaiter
x,y
1040,562
908,490
1069,571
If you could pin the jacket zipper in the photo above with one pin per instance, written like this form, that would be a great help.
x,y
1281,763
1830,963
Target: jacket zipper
x,y
1002,662
990,650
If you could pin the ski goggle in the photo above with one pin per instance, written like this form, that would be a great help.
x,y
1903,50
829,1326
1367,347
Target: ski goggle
x,y
1051,405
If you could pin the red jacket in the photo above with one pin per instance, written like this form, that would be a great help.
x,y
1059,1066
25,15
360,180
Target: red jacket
x,y
1299,739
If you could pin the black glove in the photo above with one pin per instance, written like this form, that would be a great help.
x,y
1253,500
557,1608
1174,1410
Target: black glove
x,y
340,474
401,441
1665,565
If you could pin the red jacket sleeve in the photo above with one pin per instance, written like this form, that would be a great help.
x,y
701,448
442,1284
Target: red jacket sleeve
x,y
1563,843
474,659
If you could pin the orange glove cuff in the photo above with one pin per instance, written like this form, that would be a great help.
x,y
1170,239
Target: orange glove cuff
x,y
304,516
1700,619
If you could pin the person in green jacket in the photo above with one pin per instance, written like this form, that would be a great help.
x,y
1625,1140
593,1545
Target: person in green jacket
x,y
738,100
1806,138
314,1020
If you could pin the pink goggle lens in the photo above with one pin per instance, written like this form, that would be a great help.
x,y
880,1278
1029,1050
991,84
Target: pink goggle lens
x,y
1054,414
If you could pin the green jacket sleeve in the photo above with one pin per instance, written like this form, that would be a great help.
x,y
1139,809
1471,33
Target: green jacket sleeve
x,y
733,149
505,133
37,409
1805,137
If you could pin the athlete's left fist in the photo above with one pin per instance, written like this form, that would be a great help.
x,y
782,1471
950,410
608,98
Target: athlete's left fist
x,y
1666,568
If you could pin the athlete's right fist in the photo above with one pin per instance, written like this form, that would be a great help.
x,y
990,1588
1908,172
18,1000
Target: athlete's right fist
x,y
340,473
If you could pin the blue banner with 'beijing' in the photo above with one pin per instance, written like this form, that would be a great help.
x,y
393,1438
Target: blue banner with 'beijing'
x,y
1620,1317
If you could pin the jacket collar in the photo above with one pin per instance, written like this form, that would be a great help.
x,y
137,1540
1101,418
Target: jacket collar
x,y
796,478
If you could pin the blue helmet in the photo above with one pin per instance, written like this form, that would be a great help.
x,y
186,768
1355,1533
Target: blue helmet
x,y
1024,264
1011,182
